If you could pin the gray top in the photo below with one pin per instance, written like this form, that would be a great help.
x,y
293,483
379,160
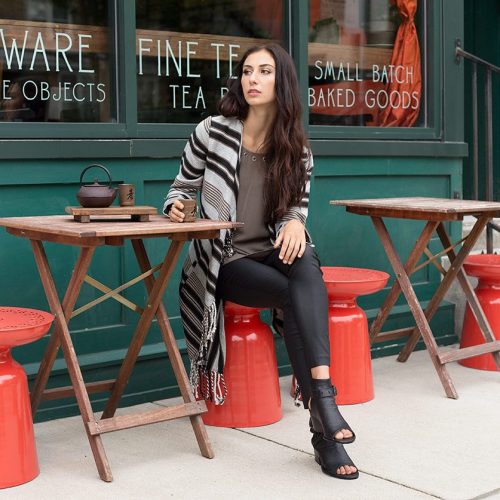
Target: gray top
x,y
254,237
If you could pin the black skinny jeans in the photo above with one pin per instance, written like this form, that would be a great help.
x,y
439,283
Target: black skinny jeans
x,y
299,290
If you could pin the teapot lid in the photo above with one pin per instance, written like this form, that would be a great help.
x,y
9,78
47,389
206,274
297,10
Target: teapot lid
x,y
96,184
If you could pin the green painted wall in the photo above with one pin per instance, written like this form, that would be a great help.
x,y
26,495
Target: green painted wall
x,y
101,335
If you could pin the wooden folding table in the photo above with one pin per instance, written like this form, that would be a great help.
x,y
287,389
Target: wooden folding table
x,y
89,236
435,211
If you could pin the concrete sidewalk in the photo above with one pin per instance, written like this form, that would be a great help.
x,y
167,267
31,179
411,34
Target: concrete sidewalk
x,y
413,442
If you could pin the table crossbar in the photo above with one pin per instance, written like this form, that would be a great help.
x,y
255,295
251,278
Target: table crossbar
x,y
113,293
433,257
122,422
116,296
433,261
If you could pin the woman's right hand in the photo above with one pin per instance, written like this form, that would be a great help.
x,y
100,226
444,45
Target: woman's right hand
x,y
175,212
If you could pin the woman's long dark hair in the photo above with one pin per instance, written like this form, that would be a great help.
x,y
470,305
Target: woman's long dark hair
x,y
284,146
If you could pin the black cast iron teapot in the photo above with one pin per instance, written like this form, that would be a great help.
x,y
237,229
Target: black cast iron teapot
x,y
96,195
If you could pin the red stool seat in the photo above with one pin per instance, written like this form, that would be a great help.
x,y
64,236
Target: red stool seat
x,y
350,364
18,458
250,372
487,269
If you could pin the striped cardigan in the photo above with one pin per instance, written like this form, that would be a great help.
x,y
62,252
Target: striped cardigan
x,y
210,166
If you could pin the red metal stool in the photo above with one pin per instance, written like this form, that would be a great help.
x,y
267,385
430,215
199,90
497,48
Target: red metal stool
x,y
251,372
487,269
18,459
350,364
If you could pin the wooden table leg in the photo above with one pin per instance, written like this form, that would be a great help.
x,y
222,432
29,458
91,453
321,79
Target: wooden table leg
x,y
71,360
415,308
477,310
445,284
68,304
174,354
395,291
142,328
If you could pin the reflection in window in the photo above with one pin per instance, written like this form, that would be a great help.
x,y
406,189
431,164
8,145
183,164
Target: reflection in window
x,y
187,49
55,64
364,63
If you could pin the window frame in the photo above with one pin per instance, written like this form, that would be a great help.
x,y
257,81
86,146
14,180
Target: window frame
x,y
84,130
184,129
431,42
295,19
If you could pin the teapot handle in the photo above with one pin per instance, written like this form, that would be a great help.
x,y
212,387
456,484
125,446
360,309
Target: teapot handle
x,y
95,165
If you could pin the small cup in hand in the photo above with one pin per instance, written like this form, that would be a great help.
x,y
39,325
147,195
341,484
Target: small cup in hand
x,y
185,214
189,210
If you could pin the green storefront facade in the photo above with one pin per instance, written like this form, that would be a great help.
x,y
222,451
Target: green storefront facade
x,y
40,165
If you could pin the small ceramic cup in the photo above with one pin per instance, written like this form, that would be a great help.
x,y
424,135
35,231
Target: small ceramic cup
x,y
126,193
189,210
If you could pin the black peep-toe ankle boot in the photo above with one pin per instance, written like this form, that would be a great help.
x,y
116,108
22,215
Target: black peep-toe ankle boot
x,y
325,415
331,455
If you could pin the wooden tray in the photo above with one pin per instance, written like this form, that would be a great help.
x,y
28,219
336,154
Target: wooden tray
x,y
136,213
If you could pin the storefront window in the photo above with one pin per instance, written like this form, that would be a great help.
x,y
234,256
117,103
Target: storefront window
x,y
187,49
365,63
56,61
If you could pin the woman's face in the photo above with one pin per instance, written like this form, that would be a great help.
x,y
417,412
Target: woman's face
x,y
258,79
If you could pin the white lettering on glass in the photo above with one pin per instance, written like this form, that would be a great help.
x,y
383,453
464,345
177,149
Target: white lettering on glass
x,y
169,54
183,94
185,52
188,59
39,48
333,71
232,55
391,73
82,46
217,57
62,51
5,90
38,51
332,97
143,50
13,50
200,98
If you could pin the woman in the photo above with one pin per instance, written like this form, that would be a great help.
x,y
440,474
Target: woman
x,y
252,164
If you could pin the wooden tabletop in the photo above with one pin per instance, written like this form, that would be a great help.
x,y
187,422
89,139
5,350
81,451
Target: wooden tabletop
x,y
420,208
63,229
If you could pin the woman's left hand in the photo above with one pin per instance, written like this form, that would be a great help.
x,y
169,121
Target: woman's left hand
x,y
292,240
